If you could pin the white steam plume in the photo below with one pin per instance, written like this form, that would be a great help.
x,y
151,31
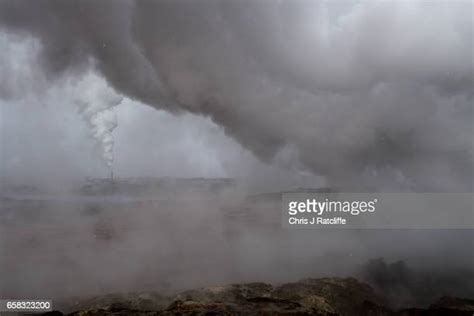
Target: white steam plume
x,y
97,109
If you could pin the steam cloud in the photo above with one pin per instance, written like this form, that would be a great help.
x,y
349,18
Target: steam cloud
x,y
102,119
373,93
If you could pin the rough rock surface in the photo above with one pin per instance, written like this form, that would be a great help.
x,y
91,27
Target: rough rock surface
x,y
454,303
325,297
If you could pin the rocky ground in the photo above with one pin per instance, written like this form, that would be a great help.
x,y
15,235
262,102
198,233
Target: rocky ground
x,y
325,296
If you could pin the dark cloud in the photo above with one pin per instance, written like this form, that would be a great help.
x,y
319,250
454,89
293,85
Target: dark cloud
x,y
368,94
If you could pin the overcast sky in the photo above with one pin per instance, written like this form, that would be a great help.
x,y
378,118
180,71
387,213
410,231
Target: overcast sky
x,y
362,93
44,135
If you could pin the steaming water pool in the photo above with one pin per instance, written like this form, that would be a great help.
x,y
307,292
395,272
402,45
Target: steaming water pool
x,y
75,244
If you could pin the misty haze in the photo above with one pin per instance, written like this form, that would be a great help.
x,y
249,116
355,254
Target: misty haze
x,y
145,146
